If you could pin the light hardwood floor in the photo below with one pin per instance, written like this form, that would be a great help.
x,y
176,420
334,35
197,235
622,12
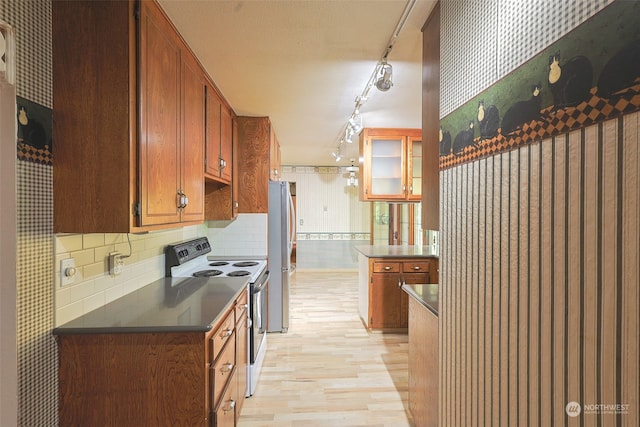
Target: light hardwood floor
x,y
328,370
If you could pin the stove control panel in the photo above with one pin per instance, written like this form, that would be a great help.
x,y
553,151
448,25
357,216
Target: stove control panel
x,y
185,251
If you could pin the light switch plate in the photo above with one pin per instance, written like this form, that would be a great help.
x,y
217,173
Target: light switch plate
x,y
67,271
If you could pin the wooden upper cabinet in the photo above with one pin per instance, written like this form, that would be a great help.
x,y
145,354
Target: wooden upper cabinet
x,y
390,157
219,139
193,138
214,104
160,144
275,169
94,120
128,120
254,152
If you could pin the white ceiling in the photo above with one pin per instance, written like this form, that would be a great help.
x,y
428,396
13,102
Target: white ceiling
x,y
304,62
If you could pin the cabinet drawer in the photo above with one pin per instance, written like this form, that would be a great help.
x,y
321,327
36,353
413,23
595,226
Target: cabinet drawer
x,y
241,307
225,416
386,267
415,266
222,334
223,369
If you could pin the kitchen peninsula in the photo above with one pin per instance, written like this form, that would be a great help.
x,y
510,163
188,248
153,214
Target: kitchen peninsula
x,y
423,353
382,270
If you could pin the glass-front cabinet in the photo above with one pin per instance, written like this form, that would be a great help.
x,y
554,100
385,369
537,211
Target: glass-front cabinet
x,y
391,164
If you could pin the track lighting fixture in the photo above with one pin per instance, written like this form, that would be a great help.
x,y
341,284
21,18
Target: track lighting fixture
x,y
348,134
381,78
352,180
336,154
384,76
356,122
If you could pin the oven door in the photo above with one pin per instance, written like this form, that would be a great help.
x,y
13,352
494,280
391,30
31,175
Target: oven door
x,y
258,308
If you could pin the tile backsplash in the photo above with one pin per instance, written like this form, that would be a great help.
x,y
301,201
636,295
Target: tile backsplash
x,y
93,287
245,237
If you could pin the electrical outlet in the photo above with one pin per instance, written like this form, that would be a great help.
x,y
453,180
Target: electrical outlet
x,y
116,263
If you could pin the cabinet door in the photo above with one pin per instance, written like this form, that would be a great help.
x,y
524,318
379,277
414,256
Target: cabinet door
x,y
386,300
274,157
225,416
226,144
414,169
213,135
193,140
160,144
387,167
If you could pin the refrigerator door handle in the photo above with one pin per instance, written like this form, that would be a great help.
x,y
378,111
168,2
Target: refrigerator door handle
x,y
292,218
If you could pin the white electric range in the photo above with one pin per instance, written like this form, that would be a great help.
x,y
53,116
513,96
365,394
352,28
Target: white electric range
x,y
189,259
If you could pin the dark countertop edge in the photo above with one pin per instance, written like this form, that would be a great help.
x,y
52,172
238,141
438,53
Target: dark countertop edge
x,y
131,330
410,290
399,251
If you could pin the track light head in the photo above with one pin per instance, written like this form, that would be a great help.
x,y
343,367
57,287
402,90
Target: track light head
x,y
384,77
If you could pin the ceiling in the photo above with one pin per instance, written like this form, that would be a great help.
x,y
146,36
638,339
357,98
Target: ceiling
x,y
304,62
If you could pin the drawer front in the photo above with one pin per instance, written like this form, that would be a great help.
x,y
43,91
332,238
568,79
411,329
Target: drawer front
x,y
225,416
416,266
222,334
241,307
386,267
223,370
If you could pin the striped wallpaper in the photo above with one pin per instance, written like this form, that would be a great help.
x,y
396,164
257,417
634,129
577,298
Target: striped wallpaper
x,y
540,278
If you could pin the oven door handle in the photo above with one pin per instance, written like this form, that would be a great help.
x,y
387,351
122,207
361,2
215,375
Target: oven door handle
x,y
261,283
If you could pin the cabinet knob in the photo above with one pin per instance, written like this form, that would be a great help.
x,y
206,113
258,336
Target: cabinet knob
x,y
232,404
227,367
226,333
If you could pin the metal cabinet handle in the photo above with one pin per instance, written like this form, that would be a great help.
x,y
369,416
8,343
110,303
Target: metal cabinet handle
x,y
226,333
183,200
387,268
232,404
227,367
416,267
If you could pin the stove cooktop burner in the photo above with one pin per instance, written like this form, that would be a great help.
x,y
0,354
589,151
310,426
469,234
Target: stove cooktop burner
x,y
207,273
238,273
245,264
218,263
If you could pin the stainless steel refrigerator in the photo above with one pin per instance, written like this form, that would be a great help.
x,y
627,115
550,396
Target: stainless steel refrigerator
x,y
281,237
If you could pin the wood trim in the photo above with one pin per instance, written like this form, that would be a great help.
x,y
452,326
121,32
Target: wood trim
x,y
431,121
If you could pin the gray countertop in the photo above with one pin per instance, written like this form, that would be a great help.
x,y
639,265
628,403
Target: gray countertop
x,y
393,251
167,305
427,295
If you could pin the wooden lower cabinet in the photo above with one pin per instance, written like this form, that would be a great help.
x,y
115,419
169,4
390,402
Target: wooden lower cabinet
x,y
158,379
388,305
423,364
242,351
